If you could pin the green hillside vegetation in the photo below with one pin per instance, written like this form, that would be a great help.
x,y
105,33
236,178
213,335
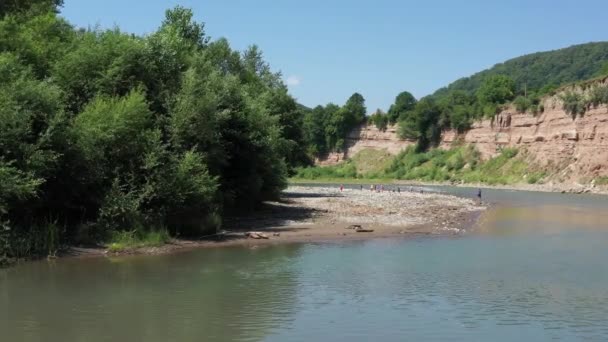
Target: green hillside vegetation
x,y
541,71
108,137
459,164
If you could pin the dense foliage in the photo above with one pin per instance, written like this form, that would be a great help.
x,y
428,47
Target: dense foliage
x,y
326,127
540,70
105,134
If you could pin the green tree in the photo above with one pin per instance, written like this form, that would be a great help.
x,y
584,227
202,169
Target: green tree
x,y
496,89
24,6
379,119
354,110
314,131
404,102
422,124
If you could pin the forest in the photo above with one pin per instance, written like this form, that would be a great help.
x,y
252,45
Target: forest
x,y
106,135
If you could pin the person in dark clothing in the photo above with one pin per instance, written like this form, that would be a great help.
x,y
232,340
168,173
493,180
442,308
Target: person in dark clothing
x,y
479,195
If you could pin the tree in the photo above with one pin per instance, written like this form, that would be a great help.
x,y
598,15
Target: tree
x,y
422,124
355,110
314,131
379,119
178,23
23,6
496,89
404,102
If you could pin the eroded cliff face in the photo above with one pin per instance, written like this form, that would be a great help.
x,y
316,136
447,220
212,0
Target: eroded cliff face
x,y
367,137
570,150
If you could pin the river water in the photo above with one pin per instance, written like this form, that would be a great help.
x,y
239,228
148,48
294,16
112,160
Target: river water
x,y
535,269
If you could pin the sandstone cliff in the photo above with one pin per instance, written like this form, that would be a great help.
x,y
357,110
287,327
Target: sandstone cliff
x,y
571,150
367,137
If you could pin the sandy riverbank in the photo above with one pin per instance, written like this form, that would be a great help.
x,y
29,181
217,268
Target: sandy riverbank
x,y
316,214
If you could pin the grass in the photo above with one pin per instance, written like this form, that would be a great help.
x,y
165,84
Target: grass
x,y
459,164
370,161
367,164
125,240
601,181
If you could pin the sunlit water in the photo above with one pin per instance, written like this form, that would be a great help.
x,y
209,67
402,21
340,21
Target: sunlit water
x,y
536,269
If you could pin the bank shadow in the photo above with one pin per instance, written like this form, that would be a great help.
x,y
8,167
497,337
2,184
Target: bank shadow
x,y
274,217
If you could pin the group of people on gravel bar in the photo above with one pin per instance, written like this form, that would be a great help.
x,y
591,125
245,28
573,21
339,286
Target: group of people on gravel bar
x,y
375,188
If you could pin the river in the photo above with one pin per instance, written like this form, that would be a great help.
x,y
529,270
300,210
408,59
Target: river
x,y
535,269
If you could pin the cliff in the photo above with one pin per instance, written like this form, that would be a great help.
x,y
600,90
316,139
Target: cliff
x,y
570,150
367,137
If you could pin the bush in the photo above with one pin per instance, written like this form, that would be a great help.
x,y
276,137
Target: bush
x,y
379,119
573,104
522,104
598,96
534,178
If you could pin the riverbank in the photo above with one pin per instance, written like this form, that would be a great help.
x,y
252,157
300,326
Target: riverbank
x,y
548,187
317,214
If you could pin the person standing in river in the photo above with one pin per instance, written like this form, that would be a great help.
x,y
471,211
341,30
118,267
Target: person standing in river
x,y
479,195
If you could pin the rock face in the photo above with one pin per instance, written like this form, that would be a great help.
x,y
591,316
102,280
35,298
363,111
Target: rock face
x,y
572,150
367,137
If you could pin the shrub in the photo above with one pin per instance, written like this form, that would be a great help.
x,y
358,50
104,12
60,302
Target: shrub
x,y
573,104
522,104
598,96
534,178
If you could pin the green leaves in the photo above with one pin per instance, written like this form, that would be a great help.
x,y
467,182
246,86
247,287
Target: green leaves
x,y
496,89
103,131
422,124
404,102
109,130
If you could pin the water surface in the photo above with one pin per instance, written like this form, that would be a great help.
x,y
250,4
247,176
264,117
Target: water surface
x,y
534,270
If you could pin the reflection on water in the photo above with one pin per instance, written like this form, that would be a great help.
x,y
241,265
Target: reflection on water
x,y
234,294
534,269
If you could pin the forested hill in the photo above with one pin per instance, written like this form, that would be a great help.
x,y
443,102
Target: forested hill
x,y
542,69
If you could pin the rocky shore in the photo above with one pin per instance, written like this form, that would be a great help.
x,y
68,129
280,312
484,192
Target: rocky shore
x,y
317,214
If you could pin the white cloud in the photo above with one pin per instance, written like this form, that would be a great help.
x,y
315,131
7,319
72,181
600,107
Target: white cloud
x,y
293,81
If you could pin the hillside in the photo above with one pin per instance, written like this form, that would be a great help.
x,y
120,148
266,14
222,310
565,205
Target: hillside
x,y
555,148
541,69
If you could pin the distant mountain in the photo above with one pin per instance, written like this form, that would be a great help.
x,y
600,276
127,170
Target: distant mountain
x,y
557,67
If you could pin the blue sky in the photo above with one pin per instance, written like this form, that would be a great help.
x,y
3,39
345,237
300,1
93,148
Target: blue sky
x,y
327,50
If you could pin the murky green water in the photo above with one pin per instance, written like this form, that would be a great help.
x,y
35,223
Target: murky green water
x,y
537,270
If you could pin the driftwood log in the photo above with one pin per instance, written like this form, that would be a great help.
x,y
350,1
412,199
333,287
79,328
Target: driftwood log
x,y
256,235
